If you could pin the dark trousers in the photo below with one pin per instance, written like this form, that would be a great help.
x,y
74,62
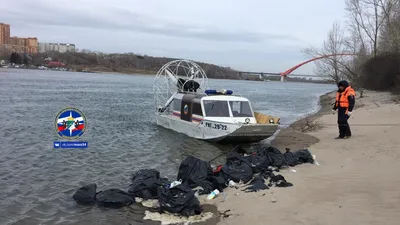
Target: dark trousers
x,y
344,128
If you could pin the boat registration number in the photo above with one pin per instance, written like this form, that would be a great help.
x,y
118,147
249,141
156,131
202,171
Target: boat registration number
x,y
217,126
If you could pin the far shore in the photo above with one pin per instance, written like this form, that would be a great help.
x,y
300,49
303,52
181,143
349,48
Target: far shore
x,y
356,182
133,72
153,73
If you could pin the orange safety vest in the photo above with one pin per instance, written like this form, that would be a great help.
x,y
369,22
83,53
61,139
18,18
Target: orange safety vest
x,y
342,98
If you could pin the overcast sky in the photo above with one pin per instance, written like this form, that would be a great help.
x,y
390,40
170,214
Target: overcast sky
x,y
255,35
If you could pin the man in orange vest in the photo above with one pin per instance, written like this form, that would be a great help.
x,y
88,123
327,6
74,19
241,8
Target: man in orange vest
x,y
345,100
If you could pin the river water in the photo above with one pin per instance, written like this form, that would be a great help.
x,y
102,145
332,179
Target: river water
x,y
37,181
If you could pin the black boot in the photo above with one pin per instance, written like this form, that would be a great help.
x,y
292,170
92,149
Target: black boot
x,y
342,131
348,131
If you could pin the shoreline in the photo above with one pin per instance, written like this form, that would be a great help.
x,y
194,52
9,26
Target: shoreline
x,y
295,136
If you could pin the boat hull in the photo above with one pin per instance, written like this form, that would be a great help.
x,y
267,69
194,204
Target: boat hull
x,y
218,131
251,133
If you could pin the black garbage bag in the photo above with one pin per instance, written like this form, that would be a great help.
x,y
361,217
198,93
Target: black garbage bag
x,y
114,198
258,163
257,184
239,171
145,183
304,156
274,155
233,157
206,185
298,157
86,195
179,199
268,174
212,183
194,172
218,182
291,158
279,181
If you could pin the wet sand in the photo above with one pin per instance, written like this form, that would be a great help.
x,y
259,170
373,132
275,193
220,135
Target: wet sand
x,y
356,182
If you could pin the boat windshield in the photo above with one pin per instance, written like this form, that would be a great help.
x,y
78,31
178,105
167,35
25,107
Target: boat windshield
x,y
216,108
241,109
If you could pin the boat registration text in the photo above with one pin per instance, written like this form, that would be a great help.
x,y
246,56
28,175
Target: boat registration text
x,y
217,126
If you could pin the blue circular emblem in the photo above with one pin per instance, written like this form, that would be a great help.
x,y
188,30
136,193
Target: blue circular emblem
x,y
185,109
70,123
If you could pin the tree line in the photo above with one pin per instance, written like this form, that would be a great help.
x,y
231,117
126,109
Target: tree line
x,y
117,62
372,35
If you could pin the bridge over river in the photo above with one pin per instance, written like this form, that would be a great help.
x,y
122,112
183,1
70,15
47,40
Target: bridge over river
x,y
284,74
265,75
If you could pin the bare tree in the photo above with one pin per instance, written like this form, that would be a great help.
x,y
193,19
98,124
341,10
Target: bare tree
x,y
390,29
334,45
374,27
366,18
351,66
374,39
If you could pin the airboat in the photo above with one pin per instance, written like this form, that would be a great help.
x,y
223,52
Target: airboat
x,y
183,103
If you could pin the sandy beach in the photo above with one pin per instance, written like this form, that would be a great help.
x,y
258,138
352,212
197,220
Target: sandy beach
x,y
357,181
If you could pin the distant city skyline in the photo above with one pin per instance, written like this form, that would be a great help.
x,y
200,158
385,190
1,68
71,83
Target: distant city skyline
x,y
17,44
248,36
29,45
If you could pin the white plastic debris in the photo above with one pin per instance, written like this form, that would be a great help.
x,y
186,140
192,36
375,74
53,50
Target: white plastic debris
x,y
213,194
232,184
292,170
315,161
151,203
175,183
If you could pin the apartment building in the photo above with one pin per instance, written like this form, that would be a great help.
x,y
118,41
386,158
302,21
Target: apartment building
x,y
4,34
31,45
56,47
24,45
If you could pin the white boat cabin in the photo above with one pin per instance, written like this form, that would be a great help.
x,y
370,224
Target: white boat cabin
x,y
213,106
183,104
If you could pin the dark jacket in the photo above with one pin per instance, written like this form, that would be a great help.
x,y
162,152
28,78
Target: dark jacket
x,y
350,98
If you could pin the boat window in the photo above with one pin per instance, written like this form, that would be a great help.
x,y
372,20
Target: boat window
x,y
196,109
216,108
240,109
177,104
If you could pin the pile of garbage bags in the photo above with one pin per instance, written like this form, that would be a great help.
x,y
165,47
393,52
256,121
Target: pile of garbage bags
x,y
198,177
260,166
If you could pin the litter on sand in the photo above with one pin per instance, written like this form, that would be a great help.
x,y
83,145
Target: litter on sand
x,y
257,171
